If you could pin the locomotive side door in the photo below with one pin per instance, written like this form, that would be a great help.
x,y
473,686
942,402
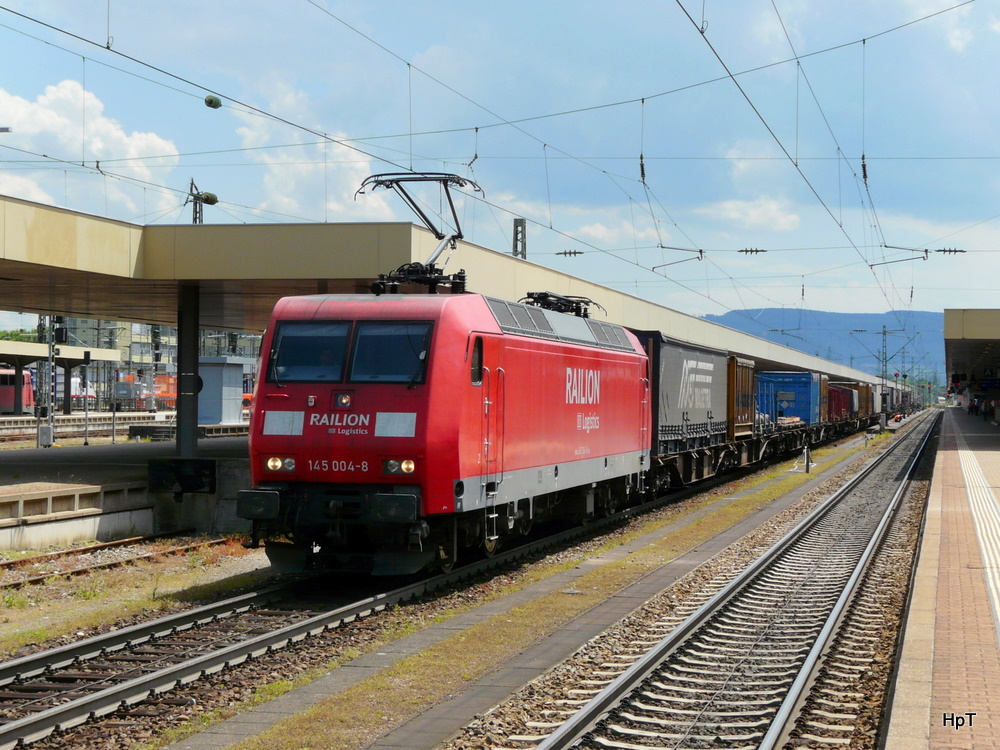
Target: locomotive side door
x,y
486,355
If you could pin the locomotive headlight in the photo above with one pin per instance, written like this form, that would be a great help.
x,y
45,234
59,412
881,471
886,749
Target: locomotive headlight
x,y
342,400
274,463
394,466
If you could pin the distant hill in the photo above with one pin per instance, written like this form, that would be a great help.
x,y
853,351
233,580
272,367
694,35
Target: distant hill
x,y
914,341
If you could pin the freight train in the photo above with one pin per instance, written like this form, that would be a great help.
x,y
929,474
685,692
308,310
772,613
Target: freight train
x,y
394,433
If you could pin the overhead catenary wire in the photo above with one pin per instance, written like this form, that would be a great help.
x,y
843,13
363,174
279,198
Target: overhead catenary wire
x,y
550,156
777,140
253,108
258,110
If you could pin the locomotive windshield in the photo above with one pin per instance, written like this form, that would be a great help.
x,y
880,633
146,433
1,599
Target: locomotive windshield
x,y
383,352
387,352
307,352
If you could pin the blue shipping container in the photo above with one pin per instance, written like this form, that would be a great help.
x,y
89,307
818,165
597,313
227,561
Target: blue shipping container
x,y
789,394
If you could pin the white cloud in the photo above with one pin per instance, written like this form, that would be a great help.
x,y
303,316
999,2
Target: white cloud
x,y
762,213
754,160
956,31
959,38
24,188
769,31
69,126
621,234
315,177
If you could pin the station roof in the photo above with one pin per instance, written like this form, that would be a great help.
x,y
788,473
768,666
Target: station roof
x,y
24,353
972,346
55,261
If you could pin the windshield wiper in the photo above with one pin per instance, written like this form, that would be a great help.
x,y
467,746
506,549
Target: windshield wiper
x,y
420,370
274,362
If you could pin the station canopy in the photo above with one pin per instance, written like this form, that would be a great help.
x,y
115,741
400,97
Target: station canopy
x,y
60,262
972,348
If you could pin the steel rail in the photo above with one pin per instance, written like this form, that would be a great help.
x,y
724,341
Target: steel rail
x,y
599,707
34,665
32,728
47,556
111,564
75,653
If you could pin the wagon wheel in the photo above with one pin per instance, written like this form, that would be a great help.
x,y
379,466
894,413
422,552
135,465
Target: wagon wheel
x,y
726,462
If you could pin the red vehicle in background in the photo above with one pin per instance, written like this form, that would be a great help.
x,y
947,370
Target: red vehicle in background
x,y
7,392
133,395
166,392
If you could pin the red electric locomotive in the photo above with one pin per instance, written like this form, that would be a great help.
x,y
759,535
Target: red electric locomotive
x,y
389,433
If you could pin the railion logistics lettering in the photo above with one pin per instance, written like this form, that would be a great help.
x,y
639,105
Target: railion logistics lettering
x,y
583,386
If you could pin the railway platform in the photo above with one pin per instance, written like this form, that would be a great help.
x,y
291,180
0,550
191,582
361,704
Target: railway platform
x,y
64,495
947,693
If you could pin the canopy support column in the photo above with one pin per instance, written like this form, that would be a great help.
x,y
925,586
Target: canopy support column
x,y
188,382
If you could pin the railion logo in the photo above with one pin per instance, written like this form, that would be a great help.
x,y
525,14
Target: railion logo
x,y
339,419
583,386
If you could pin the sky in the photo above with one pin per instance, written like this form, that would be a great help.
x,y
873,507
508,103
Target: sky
x,y
707,156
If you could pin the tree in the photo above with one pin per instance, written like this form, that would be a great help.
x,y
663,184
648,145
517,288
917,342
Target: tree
x,y
19,335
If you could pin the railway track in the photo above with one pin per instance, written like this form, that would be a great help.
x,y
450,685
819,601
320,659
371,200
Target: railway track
x,y
17,575
805,625
59,689
62,688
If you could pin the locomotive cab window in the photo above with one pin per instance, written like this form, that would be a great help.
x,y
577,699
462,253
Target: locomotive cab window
x,y
391,352
477,361
308,352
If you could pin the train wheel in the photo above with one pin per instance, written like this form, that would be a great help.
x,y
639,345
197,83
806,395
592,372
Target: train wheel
x,y
447,551
607,502
445,564
525,520
491,546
